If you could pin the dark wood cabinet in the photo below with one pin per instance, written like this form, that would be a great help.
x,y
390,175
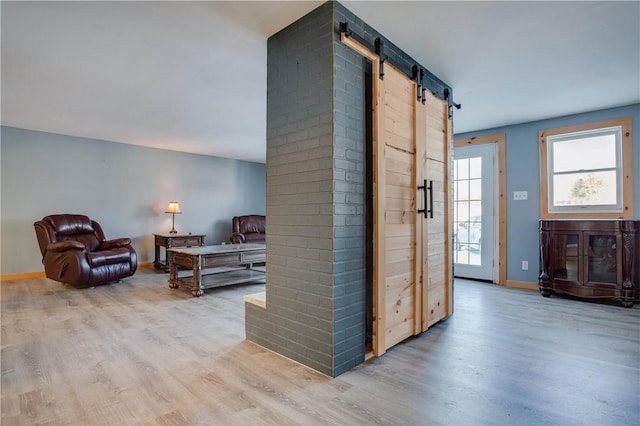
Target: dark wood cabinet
x,y
591,259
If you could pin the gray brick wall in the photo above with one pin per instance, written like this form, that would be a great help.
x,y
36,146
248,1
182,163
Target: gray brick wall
x,y
316,265
298,320
349,204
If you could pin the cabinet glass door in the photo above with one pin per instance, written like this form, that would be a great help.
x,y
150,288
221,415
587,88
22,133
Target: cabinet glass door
x,y
566,256
602,262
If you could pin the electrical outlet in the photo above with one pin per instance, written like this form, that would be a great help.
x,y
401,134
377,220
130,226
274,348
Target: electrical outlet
x,y
520,195
525,265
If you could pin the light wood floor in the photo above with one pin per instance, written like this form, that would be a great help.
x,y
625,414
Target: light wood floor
x,y
138,352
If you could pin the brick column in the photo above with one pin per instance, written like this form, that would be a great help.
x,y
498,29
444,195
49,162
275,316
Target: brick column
x,y
316,267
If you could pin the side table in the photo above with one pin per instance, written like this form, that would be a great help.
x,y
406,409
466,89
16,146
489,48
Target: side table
x,y
174,240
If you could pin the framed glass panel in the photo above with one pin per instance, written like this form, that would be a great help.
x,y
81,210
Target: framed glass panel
x,y
602,258
585,189
566,257
583,169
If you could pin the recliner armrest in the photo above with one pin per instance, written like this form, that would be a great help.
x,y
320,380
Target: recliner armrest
x,y
111,244
63,246
237,238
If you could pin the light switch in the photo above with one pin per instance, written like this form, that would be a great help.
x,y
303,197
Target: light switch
x,y
520,195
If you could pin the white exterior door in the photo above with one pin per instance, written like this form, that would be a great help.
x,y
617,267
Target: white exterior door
x,y
475,212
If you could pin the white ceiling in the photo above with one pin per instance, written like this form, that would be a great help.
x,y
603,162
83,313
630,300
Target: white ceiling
x,y
191,76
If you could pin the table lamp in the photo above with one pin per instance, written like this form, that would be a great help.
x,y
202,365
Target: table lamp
x,y
174,209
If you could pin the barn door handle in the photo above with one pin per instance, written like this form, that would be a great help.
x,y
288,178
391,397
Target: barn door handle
x,y
428,199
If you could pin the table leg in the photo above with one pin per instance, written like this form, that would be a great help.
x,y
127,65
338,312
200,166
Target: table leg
x,y
156,261
173,274
167,259
197,290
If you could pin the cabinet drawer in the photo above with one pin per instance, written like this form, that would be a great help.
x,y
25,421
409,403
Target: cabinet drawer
x,y
182,260
185,242
221,260
253,257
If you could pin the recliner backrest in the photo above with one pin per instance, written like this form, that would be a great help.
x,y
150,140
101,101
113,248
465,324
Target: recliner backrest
x,y
251,224
73,227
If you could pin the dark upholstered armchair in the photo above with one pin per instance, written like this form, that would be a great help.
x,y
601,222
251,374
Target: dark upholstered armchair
x,y
75,251
248,229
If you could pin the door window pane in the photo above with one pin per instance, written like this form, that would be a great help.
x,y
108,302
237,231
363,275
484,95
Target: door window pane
x,y
475,168
475,189
463,190
463,169
468,211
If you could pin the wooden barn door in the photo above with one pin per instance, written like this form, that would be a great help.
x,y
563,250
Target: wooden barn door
x,y
412,236
435,165
412,287
397,231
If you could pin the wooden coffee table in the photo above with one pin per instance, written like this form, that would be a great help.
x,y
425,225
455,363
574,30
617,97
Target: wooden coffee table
x,y
215,266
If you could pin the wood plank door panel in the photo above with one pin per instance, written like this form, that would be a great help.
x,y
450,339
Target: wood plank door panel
x,y
414,265
437,300
397,148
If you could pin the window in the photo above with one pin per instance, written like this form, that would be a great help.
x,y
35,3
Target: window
x,y
585,171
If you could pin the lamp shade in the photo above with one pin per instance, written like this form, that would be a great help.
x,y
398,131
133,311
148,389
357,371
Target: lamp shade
x,y
173,207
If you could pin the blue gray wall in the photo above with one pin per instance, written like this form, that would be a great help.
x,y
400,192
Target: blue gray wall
x,y
523,175
126,188
315,292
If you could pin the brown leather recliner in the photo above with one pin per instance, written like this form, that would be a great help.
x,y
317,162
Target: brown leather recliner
x,y
248,229
75,251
